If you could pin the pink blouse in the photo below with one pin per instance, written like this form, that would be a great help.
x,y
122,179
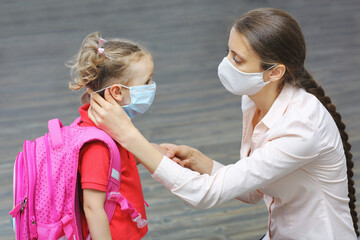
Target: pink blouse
x,y
293,159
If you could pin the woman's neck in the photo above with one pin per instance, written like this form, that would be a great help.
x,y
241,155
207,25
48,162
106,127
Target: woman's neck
x,y
265,99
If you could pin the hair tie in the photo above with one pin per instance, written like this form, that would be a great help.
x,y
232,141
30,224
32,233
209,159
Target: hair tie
x,y
102,41
100,50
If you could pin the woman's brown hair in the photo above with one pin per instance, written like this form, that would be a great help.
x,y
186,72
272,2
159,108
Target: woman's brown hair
x,y
276,37
100,63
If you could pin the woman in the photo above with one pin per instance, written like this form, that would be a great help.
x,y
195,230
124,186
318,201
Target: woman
x,y
295,151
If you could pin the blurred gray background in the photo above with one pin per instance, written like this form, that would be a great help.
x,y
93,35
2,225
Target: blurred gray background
x,y
188,40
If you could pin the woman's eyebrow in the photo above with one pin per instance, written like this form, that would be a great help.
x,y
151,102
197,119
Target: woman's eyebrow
x,y
238,54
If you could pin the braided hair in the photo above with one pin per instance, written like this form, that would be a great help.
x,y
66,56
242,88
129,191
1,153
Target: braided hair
x,y
307,82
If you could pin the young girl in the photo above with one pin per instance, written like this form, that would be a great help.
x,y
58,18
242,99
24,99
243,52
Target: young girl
x,y
124,68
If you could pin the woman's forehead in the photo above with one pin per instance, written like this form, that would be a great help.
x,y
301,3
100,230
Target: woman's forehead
x,y
240,44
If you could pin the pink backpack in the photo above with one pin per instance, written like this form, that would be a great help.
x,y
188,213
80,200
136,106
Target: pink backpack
x,y
46,202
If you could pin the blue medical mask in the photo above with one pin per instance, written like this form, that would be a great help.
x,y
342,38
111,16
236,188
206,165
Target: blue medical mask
x,y
141,99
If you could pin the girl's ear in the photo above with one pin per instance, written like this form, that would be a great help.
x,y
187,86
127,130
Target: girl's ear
x,y
116,92
277,72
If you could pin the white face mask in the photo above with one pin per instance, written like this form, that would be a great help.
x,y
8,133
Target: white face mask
x,y
238,82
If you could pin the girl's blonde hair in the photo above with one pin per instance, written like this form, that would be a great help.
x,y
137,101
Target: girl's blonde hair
x,y
99,63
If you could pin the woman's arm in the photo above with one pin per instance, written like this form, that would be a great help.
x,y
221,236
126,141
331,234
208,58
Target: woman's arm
x,y
192,158
109,116
95,214
289,150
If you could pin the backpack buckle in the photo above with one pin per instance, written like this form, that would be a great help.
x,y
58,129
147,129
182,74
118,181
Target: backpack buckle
x,y
114,196
139,221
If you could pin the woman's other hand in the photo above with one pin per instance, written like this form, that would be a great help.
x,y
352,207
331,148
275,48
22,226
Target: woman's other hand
x,y
164,150
189,157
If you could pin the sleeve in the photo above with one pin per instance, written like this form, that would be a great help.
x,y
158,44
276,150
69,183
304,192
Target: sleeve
x,y
94,161
216,167
297,145
251,197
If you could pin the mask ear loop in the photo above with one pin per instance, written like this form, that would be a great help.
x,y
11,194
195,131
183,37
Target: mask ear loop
x,y
271,67
268,70
103,89
98,91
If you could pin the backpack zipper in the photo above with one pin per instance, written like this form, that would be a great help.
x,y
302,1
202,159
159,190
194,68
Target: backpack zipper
x,y
30,151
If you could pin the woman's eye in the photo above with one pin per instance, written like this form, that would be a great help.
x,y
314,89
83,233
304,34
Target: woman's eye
x,y
236,59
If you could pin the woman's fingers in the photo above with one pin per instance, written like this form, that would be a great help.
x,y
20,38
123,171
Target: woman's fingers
x,y
104,110
171,149
159,148
96,107
166,145
167,150
95,112
96,98
91,115
94,116
178,161
181,151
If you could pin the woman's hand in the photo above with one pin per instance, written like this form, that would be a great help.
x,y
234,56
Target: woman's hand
x,y
109,116
189,157
165,150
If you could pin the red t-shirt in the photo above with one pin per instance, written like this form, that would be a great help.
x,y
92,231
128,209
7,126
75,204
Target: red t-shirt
x,y
94,168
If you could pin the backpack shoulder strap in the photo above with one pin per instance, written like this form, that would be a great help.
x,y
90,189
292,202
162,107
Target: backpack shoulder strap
x,y
95,134
113,195
56,139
